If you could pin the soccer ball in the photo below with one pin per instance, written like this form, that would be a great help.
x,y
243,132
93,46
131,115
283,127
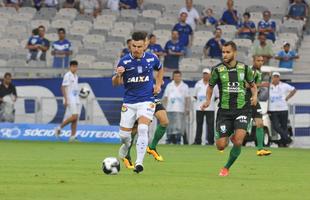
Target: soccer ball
x,y
111,166
84,92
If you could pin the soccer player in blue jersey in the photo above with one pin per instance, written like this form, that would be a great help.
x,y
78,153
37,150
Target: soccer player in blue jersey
x,y
135,71
61,50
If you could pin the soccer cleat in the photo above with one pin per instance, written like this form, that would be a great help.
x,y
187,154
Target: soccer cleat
x,y
263,152
138,168
155,154
73,139
57,131
224,172
128,164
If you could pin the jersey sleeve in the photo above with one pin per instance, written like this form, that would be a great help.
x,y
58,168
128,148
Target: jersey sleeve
x,y
258,78
216,92
249,74
288,88
157,64
66,80
214,77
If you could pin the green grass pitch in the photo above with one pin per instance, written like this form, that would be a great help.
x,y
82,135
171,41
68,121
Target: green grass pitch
x,y
62,171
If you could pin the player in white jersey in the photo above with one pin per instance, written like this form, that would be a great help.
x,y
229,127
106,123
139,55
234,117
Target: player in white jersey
x,y
135,71
70,91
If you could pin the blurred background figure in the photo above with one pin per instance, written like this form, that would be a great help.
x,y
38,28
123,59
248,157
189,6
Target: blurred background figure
x,y
8,98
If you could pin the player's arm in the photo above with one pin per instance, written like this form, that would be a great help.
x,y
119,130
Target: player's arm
x,y
117,79
159,80
64,94
250,80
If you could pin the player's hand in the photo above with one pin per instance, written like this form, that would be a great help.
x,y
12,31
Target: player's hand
x,y
205,105
156,90
253,101
65,103
120,70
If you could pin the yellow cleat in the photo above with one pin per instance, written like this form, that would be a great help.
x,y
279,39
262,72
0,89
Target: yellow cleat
x,y
128,164
263,152
154,154
222,151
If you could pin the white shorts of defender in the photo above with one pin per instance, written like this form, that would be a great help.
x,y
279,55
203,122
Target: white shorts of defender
x,y
73,109
131,112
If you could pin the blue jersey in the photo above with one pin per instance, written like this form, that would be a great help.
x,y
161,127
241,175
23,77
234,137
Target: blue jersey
x,y
138,77
185,31
297,10
154,48
35,40
132,3
269,24
214,48
61,61
288,64
228,18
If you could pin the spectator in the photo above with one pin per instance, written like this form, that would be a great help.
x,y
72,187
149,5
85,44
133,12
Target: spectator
x,y
298,10
208,18
192,14
113,5
200,97
263,48
61,50
45,43
70,4
230,16
8,97
186,33
213,47
14,3
174,51
51,3
37,4
286,57
279,94
126,50
34,45
90,7
246,28
177,99
267,26
1,3
131,4
154,47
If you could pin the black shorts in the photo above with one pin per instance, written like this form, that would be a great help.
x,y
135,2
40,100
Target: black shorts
x,y
159,106
257,111
227,121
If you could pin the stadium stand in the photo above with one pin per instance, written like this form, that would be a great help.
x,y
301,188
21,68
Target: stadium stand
x,y
98,41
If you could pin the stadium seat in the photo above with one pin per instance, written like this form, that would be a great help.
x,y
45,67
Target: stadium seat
x,y
151,13
102,65
209,62
197,51
61,23
256,8
126,19
8,10
200,41
123,26
243,42
206,34
190,65
106,17
82,24
93,41
119,39
113,45
37,23
110,12
166,21
85,58
52,37
3,22
68,12
27,10
45,13
129,13
99,32
84,18
120,33
3,63
87,51
148,20
17,63
162,33
103,25
9,43
144,27
154,6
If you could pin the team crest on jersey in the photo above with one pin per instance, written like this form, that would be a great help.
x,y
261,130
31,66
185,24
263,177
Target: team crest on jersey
x,y
240,66
140,70
223,128
221,69
138,79
124,108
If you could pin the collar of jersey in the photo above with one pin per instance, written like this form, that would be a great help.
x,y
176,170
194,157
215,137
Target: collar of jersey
x,y
131,56
231,67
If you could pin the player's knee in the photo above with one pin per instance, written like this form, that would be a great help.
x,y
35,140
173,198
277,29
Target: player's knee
x,y
125,137
74,118
221,145
259,125
143,130
164,122
238,142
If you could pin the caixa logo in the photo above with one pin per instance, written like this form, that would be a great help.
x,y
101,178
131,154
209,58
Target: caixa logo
x,y
10,132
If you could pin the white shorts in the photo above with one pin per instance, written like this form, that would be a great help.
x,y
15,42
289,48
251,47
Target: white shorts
x,y
131,112
73,109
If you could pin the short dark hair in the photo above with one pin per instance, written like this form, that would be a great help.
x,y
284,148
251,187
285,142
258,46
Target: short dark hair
x,y
176,72
7,74
232,44
61,30
41,26
139,35
247,14
129,40
261,34
73,62
151,35
35,31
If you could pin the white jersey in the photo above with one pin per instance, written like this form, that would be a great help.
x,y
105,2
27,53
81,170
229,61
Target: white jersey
x,y
192,15
176,95
277,95
70,81
200,91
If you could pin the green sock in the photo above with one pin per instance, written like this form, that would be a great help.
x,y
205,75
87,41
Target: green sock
x,y
132,140
159,133
234,153
260,138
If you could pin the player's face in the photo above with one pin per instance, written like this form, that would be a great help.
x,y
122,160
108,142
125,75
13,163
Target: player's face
x,y
73,68
258,62
137,48
177,78
228,54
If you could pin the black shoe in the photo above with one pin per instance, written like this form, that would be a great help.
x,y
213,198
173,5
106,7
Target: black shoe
x,y
138,168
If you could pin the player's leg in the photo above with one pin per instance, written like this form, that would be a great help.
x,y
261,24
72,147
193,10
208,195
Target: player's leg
x,y
210,127
74,113
199,126
73,128
162,117
145,113
260,138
